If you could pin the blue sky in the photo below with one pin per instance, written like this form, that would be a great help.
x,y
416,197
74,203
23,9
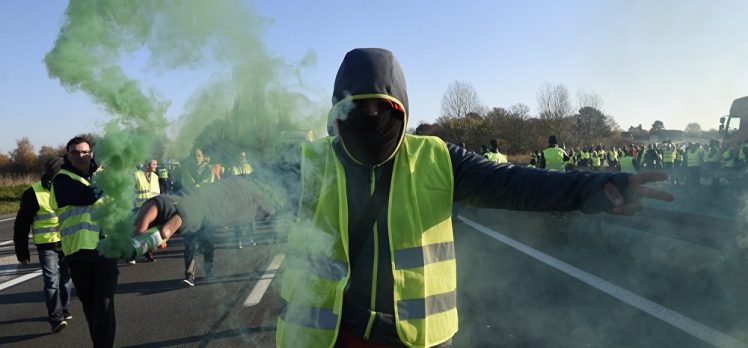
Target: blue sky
x,y
674,61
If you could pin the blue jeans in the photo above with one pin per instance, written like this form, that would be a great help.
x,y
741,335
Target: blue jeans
x,y
55,272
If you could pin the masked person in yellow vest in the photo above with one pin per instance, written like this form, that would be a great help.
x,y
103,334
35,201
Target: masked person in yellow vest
x,y
94,276
197,173
553,157
375,201
146,186
36,215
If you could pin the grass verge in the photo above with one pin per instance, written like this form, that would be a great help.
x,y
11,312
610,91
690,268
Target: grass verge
x,y
10,198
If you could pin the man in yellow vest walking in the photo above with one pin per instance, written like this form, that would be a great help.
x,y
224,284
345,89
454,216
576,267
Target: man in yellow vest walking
x,y
94,276
36,215
372,259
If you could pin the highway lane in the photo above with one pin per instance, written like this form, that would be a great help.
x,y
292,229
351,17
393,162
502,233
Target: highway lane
x,y
506,298
153,307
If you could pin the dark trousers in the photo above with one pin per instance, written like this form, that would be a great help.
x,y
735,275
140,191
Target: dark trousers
x,y
193,242
57,283
95,279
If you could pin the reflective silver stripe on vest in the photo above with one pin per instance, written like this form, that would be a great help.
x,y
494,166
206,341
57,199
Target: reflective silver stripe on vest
x,y
318,318
75,211
321,267
44,216
79,226
144,191
420,308
44,230
421,256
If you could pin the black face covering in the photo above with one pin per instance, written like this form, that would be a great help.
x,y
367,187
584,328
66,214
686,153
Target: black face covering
x,y
371,140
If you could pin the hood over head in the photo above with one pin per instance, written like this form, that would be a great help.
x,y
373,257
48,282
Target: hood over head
x,y
369,136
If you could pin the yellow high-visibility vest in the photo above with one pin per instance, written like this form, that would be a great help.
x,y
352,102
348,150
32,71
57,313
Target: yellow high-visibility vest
x,y
78,229
145,189
241,168
713,156
627,164
554,158
668,156
45,228
693,159
419,220
730,160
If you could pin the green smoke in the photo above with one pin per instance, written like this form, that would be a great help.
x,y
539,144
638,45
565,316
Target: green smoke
x,y
251,99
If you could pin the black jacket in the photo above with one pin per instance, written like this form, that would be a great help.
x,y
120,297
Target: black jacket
x,y
22,225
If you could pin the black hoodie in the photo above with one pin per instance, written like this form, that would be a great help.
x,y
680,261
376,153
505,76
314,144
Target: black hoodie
x,y
375,73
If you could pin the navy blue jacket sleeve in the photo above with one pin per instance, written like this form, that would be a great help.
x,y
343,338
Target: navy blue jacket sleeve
x,y
486,184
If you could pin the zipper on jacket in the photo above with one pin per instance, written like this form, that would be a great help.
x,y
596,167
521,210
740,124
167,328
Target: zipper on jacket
x,y
375,265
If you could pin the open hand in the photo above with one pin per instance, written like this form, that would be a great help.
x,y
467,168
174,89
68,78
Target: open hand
x,y
629,203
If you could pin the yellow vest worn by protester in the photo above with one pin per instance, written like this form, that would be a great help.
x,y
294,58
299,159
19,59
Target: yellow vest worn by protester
x,y
554,158
162,172
241,168
713,156
693,159
627,164
595,160
497,157
78,230
729,159
420,241
45,227
145,189
668,156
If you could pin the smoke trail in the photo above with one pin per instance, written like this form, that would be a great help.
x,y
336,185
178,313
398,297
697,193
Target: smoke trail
x,y
248,103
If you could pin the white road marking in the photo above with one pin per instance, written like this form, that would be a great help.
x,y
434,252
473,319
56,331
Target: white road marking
x,y
3,220
262,285
7,242
687,325
20,279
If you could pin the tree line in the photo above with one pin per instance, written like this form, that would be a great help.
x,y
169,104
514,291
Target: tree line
x,y
465,120
24,160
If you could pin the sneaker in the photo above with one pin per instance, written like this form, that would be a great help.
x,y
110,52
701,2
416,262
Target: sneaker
x,y
189,281
58,326
132,262
67,315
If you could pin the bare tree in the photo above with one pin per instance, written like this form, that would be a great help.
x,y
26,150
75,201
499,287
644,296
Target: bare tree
x,y
591,100
459,100
555,109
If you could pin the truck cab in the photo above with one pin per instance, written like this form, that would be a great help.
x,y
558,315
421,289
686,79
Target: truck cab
x,y
734,127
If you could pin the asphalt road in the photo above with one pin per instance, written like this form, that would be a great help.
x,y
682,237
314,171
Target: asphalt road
x,y
675,293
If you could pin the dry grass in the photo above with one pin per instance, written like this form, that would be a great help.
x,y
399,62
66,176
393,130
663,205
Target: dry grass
x,y
12,179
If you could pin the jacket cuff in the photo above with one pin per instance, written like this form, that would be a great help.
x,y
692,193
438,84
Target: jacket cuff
x,y
598,201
